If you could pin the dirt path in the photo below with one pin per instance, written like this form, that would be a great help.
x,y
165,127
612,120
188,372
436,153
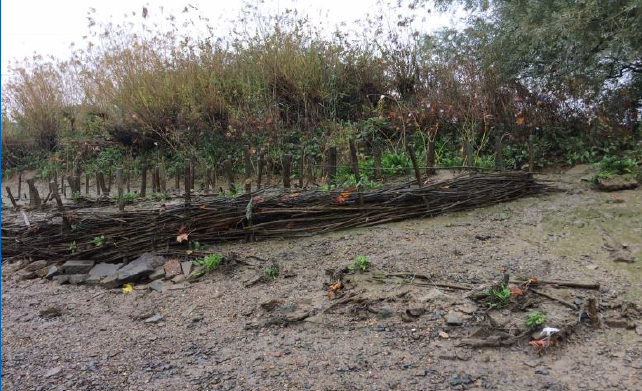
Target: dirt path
x,y
215,335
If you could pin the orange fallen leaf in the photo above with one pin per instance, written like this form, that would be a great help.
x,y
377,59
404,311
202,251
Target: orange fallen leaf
x,y
542,344
516,292
336,286
345,195
202,207
331,295
339,200
182,237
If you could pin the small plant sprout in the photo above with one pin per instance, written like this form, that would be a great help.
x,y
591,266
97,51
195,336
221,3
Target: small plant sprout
x,y
535,319
98,241
130,197
197,245
73,246
271,272
209,263
498,297
361,264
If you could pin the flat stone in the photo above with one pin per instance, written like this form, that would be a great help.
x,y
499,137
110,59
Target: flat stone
x,y
25,275
102,270
53,371
53,271
156,285
157,274
154,319
111,281
454,319
77,267
187,267
172,268
76,279
60,280
178,278
140,268
33,266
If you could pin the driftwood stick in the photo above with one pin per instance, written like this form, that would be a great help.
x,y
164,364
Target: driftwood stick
x,y
557,299
566,284
13,200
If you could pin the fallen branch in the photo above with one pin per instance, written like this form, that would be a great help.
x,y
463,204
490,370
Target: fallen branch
x,y
557,299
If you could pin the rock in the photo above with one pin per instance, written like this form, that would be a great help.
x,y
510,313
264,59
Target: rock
x,y
172,268
60,280
53,271
25,275
270,305
102,270
157,285
415,312
154,319
533,363
179,278
140,268
111,281
77,267
187,267
42,272
468,308
33,266
157,274
198,272
483,238
51,312
385,312
616,183
453,319
76,279
53,371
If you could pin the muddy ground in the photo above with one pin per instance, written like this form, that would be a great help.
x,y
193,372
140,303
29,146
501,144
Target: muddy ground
x,y
381,332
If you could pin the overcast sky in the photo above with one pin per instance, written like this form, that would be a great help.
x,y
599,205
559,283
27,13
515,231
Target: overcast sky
x,y
48,27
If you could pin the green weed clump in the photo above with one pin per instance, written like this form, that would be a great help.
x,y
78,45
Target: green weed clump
x,y
535,319
209,263
360,264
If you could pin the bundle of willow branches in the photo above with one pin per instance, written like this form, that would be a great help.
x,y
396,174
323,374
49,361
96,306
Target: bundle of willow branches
x,y
104,234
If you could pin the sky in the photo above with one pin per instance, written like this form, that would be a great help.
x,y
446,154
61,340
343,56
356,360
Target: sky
x,y
49,27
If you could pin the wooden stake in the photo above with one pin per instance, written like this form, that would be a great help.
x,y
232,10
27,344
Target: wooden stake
x,y
430,159
119,183
248,169
13,200
192,171
499,163
143,180
470,158
261,162
208,173
411,152
531,162
19,184
332,167
86,183
34,197
287,163
97,183
177,184
53,187
128,176
188,181
301,167
355,169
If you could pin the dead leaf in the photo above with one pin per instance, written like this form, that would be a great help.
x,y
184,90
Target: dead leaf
x,y
443,334
182,237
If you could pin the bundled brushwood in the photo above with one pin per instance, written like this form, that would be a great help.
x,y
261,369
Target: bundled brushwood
x,y
110,236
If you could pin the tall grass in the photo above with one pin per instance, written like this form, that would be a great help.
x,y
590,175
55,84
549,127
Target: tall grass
x,y
279,81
